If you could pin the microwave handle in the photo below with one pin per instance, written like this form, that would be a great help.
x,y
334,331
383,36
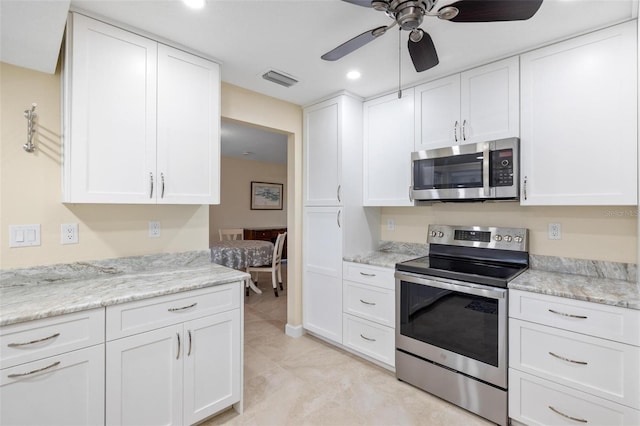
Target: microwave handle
x,y
485,171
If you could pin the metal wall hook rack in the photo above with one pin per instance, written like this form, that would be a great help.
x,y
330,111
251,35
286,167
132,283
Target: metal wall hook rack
x,y
30,115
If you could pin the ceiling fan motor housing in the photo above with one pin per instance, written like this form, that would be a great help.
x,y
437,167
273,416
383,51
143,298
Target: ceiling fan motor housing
x,y
409,13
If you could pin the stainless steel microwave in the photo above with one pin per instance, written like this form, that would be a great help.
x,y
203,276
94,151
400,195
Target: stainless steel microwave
x,y
472,172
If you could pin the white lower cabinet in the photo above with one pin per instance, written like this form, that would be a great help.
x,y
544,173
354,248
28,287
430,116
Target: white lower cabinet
x,y
564,370
180,373
369,311
53,371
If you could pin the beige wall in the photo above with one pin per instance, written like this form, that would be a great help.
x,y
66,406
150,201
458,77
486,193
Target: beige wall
x,y
30,190
600,233
234,210
244,106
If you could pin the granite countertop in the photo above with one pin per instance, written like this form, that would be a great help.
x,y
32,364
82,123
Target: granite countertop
x,y
609,283
607,291
34,293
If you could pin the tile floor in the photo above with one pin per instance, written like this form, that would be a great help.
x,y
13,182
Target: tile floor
x,y
305,381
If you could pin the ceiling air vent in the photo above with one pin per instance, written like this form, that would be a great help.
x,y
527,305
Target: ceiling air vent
x,y
279,78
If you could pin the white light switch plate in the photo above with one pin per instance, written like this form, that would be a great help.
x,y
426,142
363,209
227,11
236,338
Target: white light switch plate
x,y
24,235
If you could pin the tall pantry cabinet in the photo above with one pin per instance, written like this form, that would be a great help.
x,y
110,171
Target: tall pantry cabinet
x,y
335,223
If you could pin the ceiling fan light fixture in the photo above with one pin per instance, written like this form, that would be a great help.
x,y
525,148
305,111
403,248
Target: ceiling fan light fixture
x,y
416,35
380,5
448,12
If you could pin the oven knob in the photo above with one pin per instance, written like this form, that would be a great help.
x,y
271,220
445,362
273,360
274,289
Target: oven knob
x,y
498,238
433,233
508,238
518,239
440,234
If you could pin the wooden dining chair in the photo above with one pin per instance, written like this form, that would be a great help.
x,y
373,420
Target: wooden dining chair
x,y
276,264
231,234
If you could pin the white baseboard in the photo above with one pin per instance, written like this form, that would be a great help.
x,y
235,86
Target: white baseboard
x,y
293,330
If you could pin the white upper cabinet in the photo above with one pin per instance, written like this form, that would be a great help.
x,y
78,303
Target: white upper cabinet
x,y
323,153
477,105
579,121
388,143
141,120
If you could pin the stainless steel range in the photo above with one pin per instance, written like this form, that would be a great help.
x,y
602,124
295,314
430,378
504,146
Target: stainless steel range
x,y
451,315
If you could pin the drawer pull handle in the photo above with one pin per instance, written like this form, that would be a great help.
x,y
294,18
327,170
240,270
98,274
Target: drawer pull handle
x,y
567,359
567,315
368,338
189,353
16,345
55,364
183,308
178,354
367,275
367,303
575,419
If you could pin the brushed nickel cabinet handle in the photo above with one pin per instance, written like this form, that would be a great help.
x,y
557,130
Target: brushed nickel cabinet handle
x,y
178,354
151,190
411,194
15,345
189,353
464,133
338,193
182,308
162,186
367,275
368,338
338,219
568,315
13,376
567,359
524,188
367,303
455,131
575,419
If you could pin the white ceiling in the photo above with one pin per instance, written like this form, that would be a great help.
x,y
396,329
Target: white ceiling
x,y
251,37
252,143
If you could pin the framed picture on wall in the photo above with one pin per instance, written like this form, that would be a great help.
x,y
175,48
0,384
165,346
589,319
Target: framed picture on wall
x,y
266,196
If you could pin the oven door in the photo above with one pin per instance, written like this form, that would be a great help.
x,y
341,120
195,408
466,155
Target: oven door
x,y
456,324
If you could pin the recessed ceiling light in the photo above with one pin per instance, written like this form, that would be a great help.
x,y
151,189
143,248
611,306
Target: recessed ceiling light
x,y
195,4
353,75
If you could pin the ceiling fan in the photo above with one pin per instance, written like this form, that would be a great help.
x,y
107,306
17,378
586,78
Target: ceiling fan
x,y
408,15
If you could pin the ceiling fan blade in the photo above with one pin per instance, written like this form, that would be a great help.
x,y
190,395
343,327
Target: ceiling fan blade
x,y
353,44
495,10
364,3
423,53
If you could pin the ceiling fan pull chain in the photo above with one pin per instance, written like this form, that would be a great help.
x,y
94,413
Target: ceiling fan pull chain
x,y
399,62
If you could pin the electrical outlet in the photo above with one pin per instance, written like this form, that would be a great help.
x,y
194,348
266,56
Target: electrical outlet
x,y
391,225
555,231
154,229
69,233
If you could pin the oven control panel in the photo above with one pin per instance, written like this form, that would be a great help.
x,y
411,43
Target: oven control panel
x,y
479,236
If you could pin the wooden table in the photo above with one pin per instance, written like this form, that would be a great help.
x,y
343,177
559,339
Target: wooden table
x,y
238,254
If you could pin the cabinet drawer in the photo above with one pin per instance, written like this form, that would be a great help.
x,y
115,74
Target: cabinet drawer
x,y
366,274
609,322
369,302
532,401
137,317
604,368
368,338
29,341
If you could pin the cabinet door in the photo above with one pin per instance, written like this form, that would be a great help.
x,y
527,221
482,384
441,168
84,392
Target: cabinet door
x,y
579,120
110,148
490,102
388,142
437,113
322,272
322,153
212,365
188,128
144,384
60,390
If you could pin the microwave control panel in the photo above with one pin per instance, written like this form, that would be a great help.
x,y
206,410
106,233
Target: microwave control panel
x,y
501,167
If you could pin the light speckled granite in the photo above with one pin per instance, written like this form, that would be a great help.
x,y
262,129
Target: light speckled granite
x,y
590,268
33,293
607,291
389,253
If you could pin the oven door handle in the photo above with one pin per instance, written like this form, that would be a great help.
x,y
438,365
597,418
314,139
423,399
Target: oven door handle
x,y
453,285
485,170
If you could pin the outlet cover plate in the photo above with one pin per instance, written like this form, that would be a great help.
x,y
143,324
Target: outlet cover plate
x,y
154,229
555,231
69,233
